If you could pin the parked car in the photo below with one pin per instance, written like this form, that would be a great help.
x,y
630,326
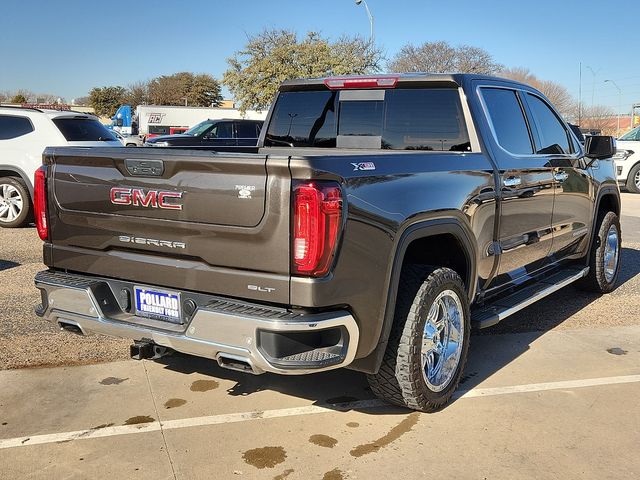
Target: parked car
x,y
128,140
212,133
24,134
627,160
377,221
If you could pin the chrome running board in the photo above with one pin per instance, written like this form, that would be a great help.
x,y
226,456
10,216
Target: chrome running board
x,y
490,314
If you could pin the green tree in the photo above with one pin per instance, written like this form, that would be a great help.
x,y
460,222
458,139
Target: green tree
x,y
441,57
19,98
273,56
106,100
185,88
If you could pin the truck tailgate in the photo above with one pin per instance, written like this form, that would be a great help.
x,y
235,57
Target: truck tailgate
x,y
177,218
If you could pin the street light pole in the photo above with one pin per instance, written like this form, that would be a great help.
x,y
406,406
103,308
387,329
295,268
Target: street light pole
x,y
593,84
619,104
358,2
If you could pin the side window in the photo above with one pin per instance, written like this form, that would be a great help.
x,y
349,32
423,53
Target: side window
x,y
508,120
14,127
221,130
552,133
246,130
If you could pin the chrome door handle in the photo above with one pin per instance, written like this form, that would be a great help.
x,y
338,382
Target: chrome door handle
x,y
511,181
560,176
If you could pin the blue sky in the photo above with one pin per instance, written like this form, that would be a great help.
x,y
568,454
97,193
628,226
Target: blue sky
x,y
66,47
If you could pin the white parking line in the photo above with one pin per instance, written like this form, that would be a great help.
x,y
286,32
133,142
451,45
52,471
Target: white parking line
x,y
297,411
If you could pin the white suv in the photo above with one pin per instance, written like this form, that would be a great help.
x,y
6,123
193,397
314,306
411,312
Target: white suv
x,y
627,160
24,134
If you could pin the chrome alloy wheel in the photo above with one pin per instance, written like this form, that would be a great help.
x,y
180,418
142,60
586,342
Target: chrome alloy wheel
x,y
611,254
442,340
11,203
636,179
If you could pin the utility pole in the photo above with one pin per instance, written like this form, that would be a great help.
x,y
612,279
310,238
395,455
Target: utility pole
x,y
364,2
619,104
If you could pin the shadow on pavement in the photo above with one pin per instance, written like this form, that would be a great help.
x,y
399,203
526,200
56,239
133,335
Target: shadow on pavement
x,y
491,351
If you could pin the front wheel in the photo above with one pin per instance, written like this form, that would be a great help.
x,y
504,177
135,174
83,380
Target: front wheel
x,y
604,256
15,203
429,341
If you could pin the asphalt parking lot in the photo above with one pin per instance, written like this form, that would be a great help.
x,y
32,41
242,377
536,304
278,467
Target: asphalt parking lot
x,y
550,393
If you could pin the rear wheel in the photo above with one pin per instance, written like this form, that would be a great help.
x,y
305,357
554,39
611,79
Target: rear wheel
x,y
429,341
604,256
633,180
15,203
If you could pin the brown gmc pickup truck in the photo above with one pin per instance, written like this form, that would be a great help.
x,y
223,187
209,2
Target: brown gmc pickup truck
x,y
376,223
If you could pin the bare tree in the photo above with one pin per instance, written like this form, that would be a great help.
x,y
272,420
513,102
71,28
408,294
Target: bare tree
x,y
557,94
475,60
434,57
441,57
138,94
599,117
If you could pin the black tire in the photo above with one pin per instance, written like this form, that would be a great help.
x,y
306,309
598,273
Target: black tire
x,y
632,184
598,280
400,379
25,215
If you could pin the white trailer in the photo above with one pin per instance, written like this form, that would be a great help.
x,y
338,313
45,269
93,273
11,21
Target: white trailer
x,y
165,120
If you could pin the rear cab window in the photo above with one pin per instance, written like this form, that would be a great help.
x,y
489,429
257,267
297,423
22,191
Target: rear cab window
x,y
82,129
14,126
427,119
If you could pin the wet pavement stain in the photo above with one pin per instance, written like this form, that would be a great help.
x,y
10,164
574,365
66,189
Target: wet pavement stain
x,y
204,385
353,424
342,399
112,381
104,425
323,441
394,434
284,474
617,351
334,474
265,457
174,403
139,419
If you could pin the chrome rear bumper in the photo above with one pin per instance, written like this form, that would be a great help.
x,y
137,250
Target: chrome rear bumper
x,y
221,329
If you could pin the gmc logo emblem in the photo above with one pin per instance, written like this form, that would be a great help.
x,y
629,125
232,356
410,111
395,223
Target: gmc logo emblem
x,y
151,199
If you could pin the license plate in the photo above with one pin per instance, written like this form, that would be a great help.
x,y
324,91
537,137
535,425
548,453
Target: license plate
x,y
158,304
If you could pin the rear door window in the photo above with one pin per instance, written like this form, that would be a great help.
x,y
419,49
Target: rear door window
x,y
12,126
246,130
395,119
508,120
82,129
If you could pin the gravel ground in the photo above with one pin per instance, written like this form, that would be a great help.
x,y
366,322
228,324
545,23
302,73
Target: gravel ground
x,y
25,339
28,341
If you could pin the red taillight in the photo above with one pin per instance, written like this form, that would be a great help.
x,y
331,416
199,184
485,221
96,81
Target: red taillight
x,y
317,211
386,81
40,202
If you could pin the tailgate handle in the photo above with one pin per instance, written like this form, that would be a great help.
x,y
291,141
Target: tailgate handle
x,y
144,168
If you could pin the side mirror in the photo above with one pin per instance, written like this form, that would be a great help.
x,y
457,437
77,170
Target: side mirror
x,y
599,147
